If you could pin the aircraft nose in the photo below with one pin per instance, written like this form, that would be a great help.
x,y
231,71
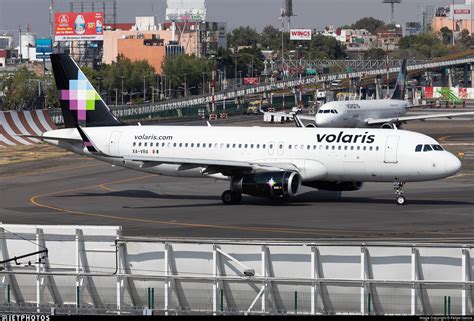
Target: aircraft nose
x,y
452,164
323,120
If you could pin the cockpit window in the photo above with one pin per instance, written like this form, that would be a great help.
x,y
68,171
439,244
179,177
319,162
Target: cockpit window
x,y
327,111
333,111
321,112
418,148
427,148
437,147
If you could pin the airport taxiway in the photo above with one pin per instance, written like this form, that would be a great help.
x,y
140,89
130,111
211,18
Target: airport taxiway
x,y
74,190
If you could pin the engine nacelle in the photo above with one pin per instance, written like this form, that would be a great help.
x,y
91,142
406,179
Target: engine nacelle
x,y
269,184
311,125
335,186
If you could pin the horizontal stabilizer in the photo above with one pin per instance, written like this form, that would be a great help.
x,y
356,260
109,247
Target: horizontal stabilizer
x,y
69,140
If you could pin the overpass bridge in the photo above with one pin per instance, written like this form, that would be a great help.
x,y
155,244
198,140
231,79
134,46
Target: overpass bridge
x,y
237,94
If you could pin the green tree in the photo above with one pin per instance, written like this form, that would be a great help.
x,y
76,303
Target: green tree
x,y
375,53
21,90
465,40
51,93
270,38
422,46
131,74
185,69
446,35
243,36
322,47
369,23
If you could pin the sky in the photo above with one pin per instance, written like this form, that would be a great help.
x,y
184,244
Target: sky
x,y
255,13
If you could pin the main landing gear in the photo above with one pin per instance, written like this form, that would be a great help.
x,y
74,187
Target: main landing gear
x,y
398,186
231,198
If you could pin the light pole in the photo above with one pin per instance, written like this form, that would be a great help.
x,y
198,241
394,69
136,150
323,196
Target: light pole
x,y
185,86
240,77
144,88
235,66
203,82
116,96
99,80
122,87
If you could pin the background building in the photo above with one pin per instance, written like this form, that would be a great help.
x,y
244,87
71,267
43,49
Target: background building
x,y
458,16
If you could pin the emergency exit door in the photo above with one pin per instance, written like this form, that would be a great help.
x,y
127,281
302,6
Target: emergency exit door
x,y
391,147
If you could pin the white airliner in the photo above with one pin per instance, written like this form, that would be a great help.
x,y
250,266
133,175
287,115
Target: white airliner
x,y
261,162
383,113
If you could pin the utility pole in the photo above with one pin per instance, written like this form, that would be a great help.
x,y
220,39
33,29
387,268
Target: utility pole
x,y
235,66
144,88
122,88
454,25
203,82
185,86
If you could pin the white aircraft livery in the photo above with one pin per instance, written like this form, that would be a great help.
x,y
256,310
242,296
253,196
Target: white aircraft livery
x,y
384,113
261,162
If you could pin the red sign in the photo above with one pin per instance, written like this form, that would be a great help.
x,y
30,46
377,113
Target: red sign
x,y
462,11
300,34
78,26
251,81
428,92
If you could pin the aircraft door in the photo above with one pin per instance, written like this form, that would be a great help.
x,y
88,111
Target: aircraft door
x,y
391,147
114,143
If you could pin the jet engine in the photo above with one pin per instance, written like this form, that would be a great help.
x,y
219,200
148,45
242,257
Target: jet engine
x,y
335,186
268,184
311,125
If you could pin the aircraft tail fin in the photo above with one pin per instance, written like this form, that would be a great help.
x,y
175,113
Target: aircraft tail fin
x,y
81,105
400,86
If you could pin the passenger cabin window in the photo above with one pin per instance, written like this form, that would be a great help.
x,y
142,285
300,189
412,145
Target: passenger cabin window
x,y
418,148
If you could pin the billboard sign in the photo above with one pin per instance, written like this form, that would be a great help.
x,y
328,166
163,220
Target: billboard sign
x,y
79,26
461,12
300,34
250,81
44,46
186,11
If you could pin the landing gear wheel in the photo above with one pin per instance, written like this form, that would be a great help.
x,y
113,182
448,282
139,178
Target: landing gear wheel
x,y
231,197
401,200
398,186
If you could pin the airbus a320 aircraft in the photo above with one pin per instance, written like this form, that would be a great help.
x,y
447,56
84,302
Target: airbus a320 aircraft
x,y
383,113
261,162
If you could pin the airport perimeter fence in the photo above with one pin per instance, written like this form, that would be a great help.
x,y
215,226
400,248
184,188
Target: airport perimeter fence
x,y
156,112
299,303
96,270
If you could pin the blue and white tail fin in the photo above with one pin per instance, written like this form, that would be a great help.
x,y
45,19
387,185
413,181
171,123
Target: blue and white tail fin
x,y
400,86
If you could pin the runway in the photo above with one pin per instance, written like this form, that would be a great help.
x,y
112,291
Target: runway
x,y
75,190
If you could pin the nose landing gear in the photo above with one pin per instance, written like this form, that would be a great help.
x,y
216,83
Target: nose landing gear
x,y
398,186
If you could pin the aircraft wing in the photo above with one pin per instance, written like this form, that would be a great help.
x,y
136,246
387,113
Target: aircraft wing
x,y
226,167
380,121
305,117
